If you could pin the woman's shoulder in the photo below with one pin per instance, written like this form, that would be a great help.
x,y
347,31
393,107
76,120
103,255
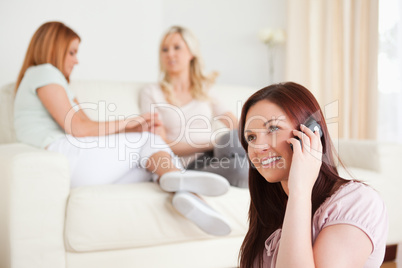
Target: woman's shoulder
x,y
44,69
153,90
44,72
153,93
352,193
358,205
41,75
355,190
353,203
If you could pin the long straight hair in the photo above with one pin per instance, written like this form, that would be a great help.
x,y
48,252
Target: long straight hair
x,y
199,82
268,200
49,44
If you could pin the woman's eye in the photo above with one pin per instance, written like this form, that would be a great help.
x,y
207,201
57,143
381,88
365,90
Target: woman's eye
x,y
177,47
164,49
250,138
272,128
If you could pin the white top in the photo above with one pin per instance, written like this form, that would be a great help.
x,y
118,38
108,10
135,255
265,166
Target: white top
x,y
33,123
191,123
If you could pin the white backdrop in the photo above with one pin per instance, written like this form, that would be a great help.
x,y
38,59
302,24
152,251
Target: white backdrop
x,y
120,38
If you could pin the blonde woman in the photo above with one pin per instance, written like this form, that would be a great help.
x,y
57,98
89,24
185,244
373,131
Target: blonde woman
x,y
48,116
188,109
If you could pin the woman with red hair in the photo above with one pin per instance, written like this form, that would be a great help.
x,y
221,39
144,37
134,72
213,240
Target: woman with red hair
x,y
302,213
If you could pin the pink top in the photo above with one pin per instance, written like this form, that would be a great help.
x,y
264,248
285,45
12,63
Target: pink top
x,y
354,203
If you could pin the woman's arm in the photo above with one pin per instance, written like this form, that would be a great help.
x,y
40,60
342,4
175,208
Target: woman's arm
x,y
77,123
295,249
337,245
182,148
148,98
341,245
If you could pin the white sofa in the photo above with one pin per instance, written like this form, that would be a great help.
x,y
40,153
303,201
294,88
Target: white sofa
x,y
44,223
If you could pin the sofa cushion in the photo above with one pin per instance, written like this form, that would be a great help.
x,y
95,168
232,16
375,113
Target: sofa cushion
x,y
7,132
107,100
111,217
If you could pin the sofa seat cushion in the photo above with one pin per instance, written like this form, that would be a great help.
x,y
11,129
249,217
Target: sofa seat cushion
x,y
108,217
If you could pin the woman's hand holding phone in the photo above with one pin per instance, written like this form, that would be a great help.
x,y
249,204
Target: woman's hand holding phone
x,y
306,160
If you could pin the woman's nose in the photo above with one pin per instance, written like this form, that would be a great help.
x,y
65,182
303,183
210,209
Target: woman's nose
x,y
261,145
171,52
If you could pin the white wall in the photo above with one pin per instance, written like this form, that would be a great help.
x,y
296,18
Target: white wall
x,y
120,40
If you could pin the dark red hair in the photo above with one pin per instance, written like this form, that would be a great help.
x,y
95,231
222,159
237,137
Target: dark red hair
x,y
268,200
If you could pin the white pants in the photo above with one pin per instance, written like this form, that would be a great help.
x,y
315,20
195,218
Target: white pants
x,y
112,159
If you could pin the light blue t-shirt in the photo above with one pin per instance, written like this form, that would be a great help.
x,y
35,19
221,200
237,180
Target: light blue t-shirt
x,y
33,123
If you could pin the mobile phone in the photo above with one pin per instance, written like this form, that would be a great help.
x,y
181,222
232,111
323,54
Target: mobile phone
x,y
311,124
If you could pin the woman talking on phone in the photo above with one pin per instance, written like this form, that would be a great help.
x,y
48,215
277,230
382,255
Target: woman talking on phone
x,y
302,213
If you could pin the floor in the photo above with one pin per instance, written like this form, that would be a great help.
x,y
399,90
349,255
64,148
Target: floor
x,y
390,265
396,263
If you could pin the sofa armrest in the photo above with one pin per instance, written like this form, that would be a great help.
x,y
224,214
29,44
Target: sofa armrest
x,y
34,188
